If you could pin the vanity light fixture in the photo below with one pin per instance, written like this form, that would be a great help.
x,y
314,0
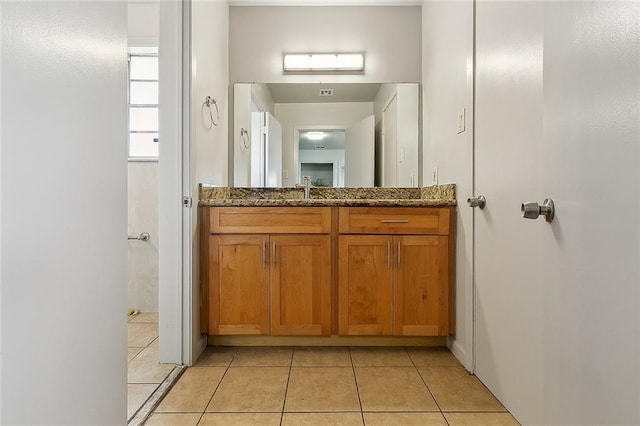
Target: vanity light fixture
x,y
323,62
315,136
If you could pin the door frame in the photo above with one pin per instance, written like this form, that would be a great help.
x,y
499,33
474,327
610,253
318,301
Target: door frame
x,y
176,345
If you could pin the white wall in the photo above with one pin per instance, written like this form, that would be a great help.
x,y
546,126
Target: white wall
x,y
142,259
63,257
262,96
209,77
142,185
336,115
143,23
447,87
209,148
389,36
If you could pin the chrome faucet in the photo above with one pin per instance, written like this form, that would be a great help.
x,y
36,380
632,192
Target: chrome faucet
x,y
307,186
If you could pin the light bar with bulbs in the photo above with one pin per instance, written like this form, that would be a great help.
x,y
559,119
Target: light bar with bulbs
x,y
323,62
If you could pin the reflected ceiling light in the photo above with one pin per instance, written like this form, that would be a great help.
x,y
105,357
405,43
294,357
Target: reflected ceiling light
x,y
315,136
329,62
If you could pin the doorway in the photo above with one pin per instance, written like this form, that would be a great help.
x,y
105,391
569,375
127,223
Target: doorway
x,y
155,330
321,156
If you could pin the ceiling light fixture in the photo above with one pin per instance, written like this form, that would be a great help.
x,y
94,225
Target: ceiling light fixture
x,y
315,136
323,62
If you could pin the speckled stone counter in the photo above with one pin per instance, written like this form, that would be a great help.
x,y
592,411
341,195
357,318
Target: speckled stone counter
x,y
440,195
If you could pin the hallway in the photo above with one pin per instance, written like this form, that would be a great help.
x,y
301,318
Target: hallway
x,y
328,386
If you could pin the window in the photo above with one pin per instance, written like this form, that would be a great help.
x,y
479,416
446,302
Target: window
x,y
143,105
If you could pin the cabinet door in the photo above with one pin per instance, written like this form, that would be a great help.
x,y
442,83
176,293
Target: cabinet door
x,y
421,286
301,284
365,285
239,277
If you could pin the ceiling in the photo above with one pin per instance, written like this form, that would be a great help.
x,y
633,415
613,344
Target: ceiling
x,y
334,139
283,93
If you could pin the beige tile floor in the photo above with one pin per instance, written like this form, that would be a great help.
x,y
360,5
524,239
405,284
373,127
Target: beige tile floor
x,y
328,386
144,372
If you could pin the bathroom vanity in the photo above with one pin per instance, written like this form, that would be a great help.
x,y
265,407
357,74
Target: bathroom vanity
x,y
348,262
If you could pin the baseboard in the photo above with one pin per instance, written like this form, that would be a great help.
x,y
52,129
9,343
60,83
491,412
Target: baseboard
x,y
200,346
326,341
459,352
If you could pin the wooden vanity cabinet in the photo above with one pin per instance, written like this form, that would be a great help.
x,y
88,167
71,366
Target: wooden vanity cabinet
x,y
395,284
277,281
301,285
239,279
305,271
365,294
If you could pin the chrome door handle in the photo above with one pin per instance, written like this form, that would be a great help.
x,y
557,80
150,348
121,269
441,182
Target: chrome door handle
x,y
398,253
264,254
531,210
478,201
394,220
388,254
145,236
273,253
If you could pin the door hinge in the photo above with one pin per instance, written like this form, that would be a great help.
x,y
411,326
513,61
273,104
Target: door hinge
x,y
187,202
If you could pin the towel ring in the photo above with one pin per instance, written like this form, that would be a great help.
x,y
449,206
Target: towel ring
x,y
208,101
244,139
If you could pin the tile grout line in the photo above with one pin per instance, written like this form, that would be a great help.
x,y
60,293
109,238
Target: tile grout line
x,y
216,389
355,377
427,386
286,389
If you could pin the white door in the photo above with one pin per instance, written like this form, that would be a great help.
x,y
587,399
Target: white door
x,y
390,144
359,153
273,159
63,257
557,115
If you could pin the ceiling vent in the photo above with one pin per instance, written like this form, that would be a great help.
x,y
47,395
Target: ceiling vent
x,y
326,92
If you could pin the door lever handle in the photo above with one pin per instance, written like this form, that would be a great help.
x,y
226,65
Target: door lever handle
x,y
478,201
531,210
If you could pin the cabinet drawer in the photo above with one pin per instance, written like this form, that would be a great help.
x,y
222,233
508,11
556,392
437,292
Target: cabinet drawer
x,y
271,220
394,220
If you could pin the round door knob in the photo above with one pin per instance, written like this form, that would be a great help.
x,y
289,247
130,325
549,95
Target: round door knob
x,y
532,210
478,201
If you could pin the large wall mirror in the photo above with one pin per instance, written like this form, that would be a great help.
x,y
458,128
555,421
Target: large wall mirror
x,y
341,135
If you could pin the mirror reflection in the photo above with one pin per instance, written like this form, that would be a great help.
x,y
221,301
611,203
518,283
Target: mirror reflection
x,y
341,135
321,157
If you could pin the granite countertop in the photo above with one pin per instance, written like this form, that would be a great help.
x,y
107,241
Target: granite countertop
x,y
317,202
430,196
